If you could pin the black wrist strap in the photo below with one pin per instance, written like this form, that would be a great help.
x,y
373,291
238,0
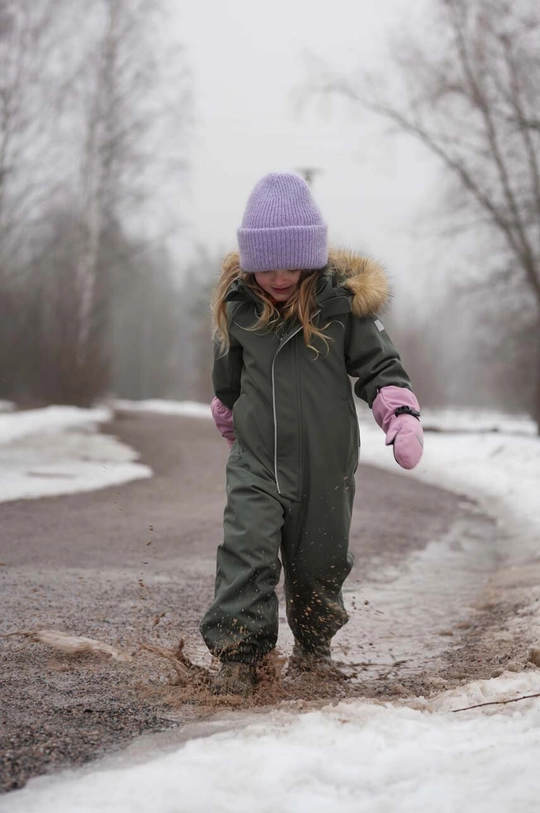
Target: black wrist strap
x,y
407,410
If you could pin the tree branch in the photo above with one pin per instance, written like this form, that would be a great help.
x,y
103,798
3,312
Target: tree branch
x,y
497,702
482,104
457,167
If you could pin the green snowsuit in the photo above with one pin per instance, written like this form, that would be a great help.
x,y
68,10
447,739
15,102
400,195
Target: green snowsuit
x,y
290,473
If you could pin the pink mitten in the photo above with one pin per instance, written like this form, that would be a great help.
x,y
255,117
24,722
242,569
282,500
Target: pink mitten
x,y
396,410
223,419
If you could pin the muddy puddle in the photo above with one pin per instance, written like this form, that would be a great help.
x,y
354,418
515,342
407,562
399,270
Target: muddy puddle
x,y
413,632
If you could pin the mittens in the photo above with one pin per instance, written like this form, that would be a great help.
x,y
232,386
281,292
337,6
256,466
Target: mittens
x,y
403,430
223,419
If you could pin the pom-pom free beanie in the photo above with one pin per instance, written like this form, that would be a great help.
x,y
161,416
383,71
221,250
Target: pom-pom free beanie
x,y
282,227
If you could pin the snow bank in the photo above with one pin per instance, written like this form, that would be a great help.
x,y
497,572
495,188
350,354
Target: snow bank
x,y
189,409
501,471
353,757
60,450
465,420
50,419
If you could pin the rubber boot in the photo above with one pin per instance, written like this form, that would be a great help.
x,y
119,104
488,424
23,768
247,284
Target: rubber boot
x,y
235,678
317,660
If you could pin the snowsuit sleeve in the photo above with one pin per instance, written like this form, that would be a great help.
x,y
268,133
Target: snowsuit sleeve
x,y
227,372
371,357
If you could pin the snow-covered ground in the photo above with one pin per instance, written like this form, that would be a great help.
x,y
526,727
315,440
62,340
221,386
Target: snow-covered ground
x,y
466,420
60,450
350,758
357,756
187,409
500,469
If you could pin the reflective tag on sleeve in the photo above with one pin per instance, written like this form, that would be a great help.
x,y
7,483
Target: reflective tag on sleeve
x,y
379,325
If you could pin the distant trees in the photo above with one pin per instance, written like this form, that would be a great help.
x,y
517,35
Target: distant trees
x,y
202,274
94,112
470,93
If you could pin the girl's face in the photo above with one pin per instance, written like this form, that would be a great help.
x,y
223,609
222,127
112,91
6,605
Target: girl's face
x,y
279,285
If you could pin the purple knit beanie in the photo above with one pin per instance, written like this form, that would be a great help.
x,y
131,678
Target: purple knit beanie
x,y
282,227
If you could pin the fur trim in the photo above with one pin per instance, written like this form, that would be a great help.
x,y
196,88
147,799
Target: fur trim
x,y
364,277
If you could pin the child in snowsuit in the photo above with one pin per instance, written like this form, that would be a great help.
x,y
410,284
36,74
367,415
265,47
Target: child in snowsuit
x,y
292,323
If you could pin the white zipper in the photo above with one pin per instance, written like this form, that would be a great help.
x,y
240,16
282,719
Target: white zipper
x,y
274,404
274,398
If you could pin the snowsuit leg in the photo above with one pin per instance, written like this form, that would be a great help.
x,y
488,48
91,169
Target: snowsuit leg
x,y
316,562
312,533
242,623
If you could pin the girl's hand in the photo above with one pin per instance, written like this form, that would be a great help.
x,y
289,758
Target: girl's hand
x,y
397,412
407,437
223,419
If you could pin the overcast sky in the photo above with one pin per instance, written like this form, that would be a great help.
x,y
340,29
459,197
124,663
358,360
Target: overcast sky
x,y
248,60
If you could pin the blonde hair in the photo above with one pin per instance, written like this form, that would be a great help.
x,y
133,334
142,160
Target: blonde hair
x,y
302,305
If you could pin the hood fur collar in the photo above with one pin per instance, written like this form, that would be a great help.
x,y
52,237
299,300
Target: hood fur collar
x,y
365,278
360,278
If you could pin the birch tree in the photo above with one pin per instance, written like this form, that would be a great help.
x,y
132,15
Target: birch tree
x,y
111,94
126,113
93,109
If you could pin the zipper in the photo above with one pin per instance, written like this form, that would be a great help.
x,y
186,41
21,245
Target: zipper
x,y
282,343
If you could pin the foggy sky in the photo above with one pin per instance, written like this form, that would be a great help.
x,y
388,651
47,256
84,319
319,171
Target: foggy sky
x,y
248,59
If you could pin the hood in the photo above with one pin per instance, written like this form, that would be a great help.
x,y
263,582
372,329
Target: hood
x,y
360,279
363,278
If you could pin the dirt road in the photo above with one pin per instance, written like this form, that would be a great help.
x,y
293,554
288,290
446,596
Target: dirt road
x,y
136,563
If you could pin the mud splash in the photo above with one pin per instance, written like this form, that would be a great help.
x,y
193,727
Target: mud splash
x,y
407,628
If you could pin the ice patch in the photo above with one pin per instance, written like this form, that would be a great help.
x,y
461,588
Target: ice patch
x,y
447,574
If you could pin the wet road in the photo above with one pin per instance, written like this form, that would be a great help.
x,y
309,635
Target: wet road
x,y
136,563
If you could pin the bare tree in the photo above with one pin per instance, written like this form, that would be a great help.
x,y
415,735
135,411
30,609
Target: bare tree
x,y
471,95
93,111
31,36
122,76
201,276
146,331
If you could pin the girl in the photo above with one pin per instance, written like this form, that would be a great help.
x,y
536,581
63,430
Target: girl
x,y
292,323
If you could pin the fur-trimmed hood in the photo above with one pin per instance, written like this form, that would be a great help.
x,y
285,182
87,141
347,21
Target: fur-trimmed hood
x,y
365,278
360,279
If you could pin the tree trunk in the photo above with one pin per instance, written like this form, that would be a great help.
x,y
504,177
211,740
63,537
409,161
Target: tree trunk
x,y
536,373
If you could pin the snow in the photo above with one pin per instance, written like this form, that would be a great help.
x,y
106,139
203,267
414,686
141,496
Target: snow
x,y
501,470
60,450
188,409
352,757
50,419
357,755
465,420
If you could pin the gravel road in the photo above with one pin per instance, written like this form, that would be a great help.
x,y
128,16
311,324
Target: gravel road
x,y
135,564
